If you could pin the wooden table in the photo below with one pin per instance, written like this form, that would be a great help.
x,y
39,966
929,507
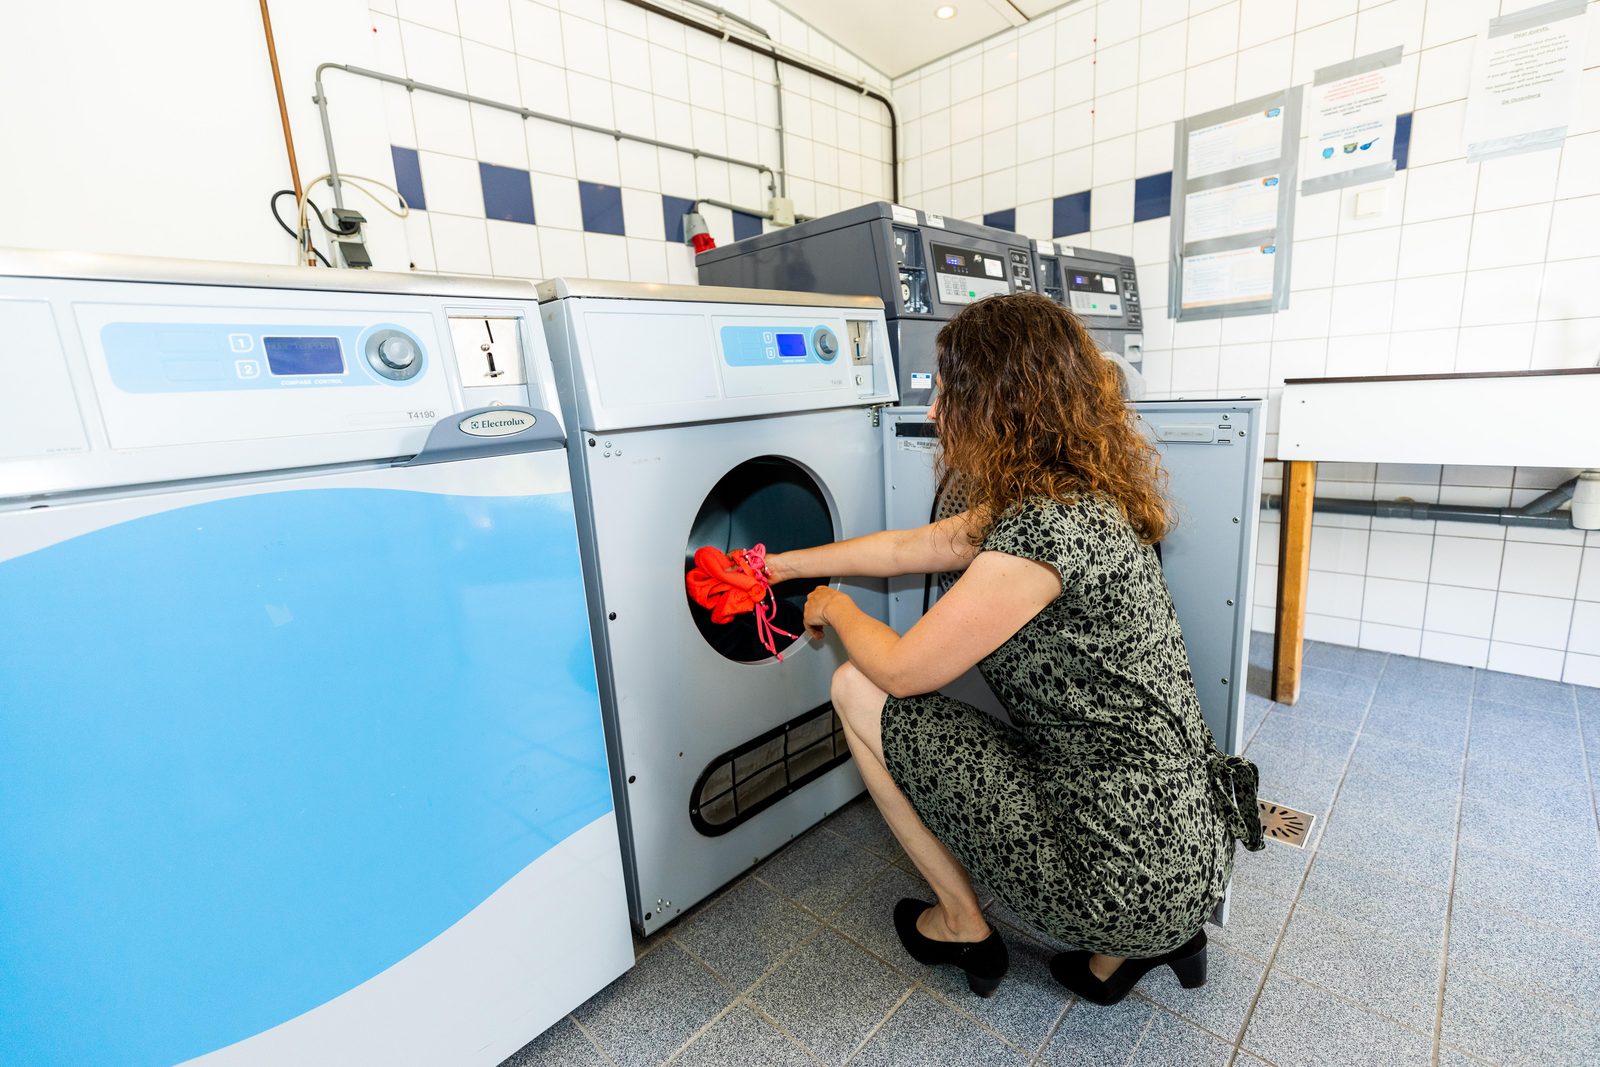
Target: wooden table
x,y
1548,418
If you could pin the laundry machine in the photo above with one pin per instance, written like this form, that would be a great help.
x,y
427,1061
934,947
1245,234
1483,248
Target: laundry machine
x,y
725,417
301,753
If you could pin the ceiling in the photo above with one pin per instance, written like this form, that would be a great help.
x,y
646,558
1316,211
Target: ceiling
x,y
897,36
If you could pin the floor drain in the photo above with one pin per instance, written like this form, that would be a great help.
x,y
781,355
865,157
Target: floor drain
x,y
1285,824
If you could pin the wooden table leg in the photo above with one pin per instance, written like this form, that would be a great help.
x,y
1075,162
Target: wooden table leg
x,y
1294,574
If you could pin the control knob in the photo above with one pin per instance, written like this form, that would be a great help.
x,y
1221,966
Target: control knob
x,y
827,345
394,354
397,352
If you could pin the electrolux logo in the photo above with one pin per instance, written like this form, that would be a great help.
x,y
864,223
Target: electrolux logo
x,y
497,423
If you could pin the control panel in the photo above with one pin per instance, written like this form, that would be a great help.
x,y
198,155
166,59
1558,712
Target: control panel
x,y
965,274
659,360
776,346
190,357
1102,289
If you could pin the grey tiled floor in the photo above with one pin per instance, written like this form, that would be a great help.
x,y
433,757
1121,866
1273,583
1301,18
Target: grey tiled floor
x,y
1446,911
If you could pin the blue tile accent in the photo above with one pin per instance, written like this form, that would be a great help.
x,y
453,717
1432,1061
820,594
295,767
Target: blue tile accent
x,y
507,193
673,209
1152,196
746,225
1402,140
408,176
602,207
1071,214
1001,220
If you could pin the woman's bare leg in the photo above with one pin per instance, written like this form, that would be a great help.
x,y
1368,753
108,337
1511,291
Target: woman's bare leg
x,y
958,916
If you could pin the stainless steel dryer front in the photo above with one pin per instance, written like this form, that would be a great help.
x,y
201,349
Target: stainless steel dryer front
x,y
697,416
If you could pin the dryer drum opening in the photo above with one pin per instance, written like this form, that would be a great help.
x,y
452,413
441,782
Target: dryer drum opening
x,y
770,500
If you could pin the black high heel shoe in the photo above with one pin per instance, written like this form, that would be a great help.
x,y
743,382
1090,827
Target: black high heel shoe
x,y
1188,962
985,962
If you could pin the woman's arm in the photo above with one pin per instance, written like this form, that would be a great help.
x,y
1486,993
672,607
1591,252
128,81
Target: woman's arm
x,y
942,546
994,599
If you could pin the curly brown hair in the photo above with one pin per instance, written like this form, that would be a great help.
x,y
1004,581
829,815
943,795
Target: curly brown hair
x,y
1027,406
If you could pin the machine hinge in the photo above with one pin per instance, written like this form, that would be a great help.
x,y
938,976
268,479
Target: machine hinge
x,y
875,414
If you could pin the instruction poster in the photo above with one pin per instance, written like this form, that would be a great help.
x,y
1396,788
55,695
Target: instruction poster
x,y
1236,142
1351,114
1248,206
1237,276
1525,79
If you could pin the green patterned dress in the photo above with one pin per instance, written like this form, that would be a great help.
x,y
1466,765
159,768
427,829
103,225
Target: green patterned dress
x,y
1104,815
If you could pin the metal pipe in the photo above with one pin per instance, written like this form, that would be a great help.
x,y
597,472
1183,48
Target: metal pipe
x,y
818,72
412,85
283,106
743,210
1424,512
777,85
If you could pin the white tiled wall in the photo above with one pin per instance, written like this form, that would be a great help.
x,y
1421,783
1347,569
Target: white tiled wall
x,y
1469,267
608,63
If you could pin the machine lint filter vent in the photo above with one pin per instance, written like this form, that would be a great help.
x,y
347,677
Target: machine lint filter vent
x,y
745,781
1280,823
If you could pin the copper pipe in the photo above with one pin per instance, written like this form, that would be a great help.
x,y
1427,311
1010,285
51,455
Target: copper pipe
x,y
283,107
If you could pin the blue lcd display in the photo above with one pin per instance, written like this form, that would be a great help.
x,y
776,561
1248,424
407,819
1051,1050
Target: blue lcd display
x,y
791,344
303,355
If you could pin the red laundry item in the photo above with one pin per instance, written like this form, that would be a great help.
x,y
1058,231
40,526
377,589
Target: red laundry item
x,y
733,584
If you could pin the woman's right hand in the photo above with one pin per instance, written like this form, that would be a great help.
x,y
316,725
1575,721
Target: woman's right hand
x,y
778,569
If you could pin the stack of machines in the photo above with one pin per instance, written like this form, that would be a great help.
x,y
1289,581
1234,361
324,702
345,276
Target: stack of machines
x,y
926,268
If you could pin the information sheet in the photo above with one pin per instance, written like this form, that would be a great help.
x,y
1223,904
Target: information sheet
x,y
1352,117
1238,142
1237,276
1525,79
1248,206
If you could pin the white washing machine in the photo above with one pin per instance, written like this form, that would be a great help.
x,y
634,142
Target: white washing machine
x,y
301,753
726,417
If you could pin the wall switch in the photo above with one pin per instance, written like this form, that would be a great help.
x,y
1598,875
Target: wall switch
x,y
1370,203
488,351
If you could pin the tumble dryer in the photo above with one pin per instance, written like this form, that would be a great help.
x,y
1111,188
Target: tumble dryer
x,y
301,755
725,417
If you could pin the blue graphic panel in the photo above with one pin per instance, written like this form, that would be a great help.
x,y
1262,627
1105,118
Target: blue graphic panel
x,y
255,751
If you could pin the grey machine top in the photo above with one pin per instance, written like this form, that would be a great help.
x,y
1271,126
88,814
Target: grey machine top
x,y
563,288
923,267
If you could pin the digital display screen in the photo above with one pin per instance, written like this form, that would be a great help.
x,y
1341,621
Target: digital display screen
x,y
791,344
288,356
955,261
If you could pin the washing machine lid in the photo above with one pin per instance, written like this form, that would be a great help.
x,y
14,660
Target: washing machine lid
x,y
563,288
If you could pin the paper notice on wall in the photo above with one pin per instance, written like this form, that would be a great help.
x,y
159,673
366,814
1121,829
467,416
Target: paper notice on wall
x,y
1238,142
1237,276
1352,117
1525,77
1248,206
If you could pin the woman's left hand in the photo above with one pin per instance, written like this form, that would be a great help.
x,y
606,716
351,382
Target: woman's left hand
x,y
817,605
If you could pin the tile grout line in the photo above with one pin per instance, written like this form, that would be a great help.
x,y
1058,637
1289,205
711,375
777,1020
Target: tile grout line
x,y
1450,896
593,1041
870,1034
1277,945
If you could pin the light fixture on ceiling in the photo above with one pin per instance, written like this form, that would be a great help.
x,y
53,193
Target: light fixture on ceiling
x,y
945,11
